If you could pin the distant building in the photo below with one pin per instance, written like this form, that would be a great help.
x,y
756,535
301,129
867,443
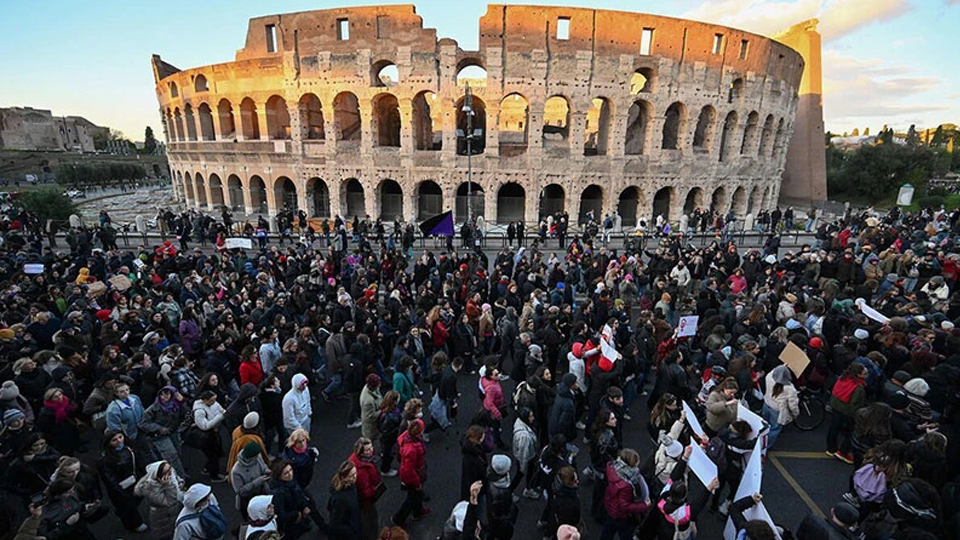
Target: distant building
x,y
26,128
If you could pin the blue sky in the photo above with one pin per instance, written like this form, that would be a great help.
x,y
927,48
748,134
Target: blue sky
x,y
885,61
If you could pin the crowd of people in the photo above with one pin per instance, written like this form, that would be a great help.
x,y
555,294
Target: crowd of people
x,y
141,361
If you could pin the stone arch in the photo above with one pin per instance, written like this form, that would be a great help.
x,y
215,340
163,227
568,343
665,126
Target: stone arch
x,y
511,202
172,87
755,201
278,118
235,192
318,196
200,190
258,194
189,188
778,140
386,120
718,201
596,133
311,118
693,201
429,199
475,196
643,80
552,200
206,123
749,144
639,128
216,190
353,199
706,128
739,205
663,203
384,74
556,121
737,90
513,125
228,127
285,194
471,71
728,136
591,199
391,200
249,120
190,121
674,126
478,140
766,138
346,116
628,204
200,84
427,116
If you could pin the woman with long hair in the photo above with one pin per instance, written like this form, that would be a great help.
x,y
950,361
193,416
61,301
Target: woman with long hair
x,y
388,423
344,504
663,415
369,487
604,448
119,471
781,403
871,427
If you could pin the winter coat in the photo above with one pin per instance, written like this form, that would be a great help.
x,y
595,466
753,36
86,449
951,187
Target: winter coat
x,y
368,478
297,409
164,500
719,413
344,508
190,337
493,397
125,416
413,461
207,418
241,438
563,415
247,479
619,498
369,408
525,444
246,402
787,403
473,466
190,528
403,384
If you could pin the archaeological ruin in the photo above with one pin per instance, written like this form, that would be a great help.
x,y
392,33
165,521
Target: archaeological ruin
x,y
362,111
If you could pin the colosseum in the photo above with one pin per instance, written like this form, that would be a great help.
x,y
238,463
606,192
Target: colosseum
x,y
362,111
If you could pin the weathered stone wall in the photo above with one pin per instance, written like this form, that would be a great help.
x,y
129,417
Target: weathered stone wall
x,y
26,128
312,125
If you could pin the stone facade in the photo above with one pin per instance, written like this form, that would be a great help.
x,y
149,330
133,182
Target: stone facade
x,y
360,111
26,128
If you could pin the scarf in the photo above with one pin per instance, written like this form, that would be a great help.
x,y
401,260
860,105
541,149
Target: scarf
x,y
632,476
172,404
61,409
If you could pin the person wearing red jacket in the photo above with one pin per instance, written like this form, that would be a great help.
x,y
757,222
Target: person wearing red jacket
x,y
368,487
413,473
250,369
626,497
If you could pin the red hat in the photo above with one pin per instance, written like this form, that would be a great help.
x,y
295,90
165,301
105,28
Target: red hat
x,y
577,349
103,315
816,343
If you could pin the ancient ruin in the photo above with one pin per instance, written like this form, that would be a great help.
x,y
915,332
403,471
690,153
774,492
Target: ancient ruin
x,y
361,111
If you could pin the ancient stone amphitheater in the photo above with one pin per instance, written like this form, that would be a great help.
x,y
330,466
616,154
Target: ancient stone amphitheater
x,y
361,111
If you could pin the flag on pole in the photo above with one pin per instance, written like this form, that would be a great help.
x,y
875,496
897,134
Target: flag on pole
x,y
439,225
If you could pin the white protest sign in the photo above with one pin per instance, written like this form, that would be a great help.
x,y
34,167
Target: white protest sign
x,y
138,263
687,326
238,243
872,313
744,413
34,268
692,421
751,483
702,465
757,511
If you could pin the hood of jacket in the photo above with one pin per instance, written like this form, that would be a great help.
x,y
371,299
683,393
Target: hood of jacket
x,y
257,508
194,495
249,390
298,379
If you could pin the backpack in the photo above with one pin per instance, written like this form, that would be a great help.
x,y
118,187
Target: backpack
x,y
212,522
717,452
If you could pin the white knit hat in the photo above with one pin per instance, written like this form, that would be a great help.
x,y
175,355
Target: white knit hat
x,y
251,420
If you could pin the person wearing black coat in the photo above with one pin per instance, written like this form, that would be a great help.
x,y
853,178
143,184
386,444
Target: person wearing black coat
x,y
119,471
840,525
565,507
292,505
563,416
271,414
30,472
473,461
246,402
344,504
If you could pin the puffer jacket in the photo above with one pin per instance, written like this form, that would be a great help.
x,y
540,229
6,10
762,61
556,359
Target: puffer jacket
x,y
165,500
787,402
525,445
619,498
413,460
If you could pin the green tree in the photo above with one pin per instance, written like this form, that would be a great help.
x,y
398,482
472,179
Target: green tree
x,y
47,203
149,141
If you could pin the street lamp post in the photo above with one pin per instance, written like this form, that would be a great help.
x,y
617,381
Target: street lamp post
x,y
468,110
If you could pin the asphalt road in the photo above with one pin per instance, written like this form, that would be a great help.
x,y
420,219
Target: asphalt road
x,y
806,470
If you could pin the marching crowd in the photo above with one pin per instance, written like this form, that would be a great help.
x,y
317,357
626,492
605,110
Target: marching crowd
x,y
127,357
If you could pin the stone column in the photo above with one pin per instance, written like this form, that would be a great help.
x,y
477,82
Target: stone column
x,y
534,129
490,207
209,190
492,134
366,129
448,123
330,136
406,128
296,112
303,200
262,121
215,114
617,138
247,198
578,124
531,210
333,188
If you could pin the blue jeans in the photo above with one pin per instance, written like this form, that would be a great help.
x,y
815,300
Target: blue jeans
x,y
772,417
335,385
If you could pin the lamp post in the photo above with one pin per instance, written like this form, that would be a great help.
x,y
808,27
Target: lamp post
x,y
468,110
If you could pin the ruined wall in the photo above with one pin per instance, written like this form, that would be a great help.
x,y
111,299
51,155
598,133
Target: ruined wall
x,y
25,128
301,118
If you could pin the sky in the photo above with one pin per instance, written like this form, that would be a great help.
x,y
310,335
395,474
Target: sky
x,y
885,62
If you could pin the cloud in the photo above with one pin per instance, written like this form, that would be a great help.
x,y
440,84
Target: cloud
x,y
838,18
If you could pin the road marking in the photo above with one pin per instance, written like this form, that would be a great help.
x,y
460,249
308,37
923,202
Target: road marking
x,y
800,455
804,496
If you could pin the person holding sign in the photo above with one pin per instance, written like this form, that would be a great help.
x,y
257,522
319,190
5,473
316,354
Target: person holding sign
x,y
781,403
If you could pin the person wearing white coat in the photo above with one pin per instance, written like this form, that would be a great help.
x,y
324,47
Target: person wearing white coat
x,y
188,527
781,402
296,405
208,414
262,517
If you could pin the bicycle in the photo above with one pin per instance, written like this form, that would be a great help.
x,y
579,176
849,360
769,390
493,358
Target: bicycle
x,y
812,410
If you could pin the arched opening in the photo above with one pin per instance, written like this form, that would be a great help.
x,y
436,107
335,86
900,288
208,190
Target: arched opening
x,y
718,202
285,194
478,141
311,117
216,191
754,203
728,136
693,201
174,92
190,121
200,84
429,199
674,126
427,117
766,137
643,80
628,205
319,195
740,202
235,191
178,124
591,204
778,140
190,189
749,144
511,203
391,200
638,127
206,122
596,134
386,120
512,125
556,122
346,117
552,200
258,195
736,90
472,73
384,74
767,198
249,120
227,126
469,193
200,190
354,199
706,128
661,203
278,118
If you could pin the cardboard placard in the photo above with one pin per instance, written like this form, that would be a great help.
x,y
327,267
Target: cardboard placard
x,y
687,326
794,358
33,268
121,282
96,288
238,243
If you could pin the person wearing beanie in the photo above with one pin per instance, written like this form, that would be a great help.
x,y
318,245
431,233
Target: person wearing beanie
x,y
244,435
841,524
249,475
501,510
919,410
568,532
370,399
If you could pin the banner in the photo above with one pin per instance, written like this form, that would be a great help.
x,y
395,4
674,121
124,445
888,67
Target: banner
x,y
238,243
701,464
693,422
33,268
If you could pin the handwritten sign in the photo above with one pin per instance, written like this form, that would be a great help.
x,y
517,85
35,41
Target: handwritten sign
x,y
121,282
687,326
794,358
96,288
238,243
34,268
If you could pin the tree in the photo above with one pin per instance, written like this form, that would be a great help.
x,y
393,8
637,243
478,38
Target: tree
x,y
47,203
886,136
856,132
149,141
